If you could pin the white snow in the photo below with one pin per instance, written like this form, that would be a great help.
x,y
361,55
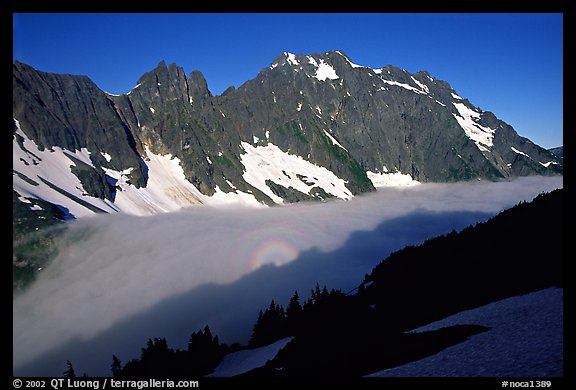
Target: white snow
x,y
273,97
378,71
53,166
350,62
24,200
519,152
299,107
481,135
291,58
255,139
423,87
236,198
111,94
442,104
167,189
455,96
208,159
334,141
405,86
547,164
396,179
325,71
267,134
312,61
152,110
526,340
224,116
106,156
318,109
243,361
137,85
36,208
230,183
270,162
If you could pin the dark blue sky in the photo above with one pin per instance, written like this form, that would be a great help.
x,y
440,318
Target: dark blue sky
x,y
511,64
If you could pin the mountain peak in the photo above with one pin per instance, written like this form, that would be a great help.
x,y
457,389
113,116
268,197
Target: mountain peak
x,y
310,126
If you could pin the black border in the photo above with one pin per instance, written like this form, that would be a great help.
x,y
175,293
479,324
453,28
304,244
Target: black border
x,y
486,6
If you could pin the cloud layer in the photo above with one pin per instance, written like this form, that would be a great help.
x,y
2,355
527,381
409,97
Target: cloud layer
x,y
121,279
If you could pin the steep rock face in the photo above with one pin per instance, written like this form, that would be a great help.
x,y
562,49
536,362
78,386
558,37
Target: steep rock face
x,y
558,151
307,127
72,113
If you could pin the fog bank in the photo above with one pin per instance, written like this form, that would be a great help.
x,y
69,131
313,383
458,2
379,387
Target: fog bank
x,y
119,279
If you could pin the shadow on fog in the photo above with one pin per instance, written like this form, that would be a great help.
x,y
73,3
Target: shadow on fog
x,y
231,310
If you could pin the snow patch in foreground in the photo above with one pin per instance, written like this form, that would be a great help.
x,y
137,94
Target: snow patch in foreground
x,y
243,361
526,340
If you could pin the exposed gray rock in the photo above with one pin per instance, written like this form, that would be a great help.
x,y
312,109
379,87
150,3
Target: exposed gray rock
x,y
334,114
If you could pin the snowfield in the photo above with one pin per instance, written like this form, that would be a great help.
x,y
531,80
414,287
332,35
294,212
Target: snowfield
x,y
481,135
243,361
271,163
389,179
526,340
54,166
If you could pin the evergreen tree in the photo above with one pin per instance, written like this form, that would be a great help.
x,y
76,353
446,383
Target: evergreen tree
x,y
69,373
270,326
294,308
116,366
204,352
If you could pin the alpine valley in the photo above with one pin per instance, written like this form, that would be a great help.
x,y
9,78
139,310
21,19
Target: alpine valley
x,y
308,127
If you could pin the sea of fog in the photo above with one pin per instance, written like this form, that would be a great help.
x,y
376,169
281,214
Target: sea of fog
x,y
119,280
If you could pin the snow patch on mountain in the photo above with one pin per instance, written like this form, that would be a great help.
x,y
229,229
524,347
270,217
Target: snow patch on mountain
x,y
547,164
106,156
389,179
291,58
402,85
325,71
167,189
518,151
334,141
269,162
422,86
481,135
353,65
52,166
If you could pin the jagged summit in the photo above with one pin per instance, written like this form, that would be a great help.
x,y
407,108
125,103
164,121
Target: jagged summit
x,y
307,127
